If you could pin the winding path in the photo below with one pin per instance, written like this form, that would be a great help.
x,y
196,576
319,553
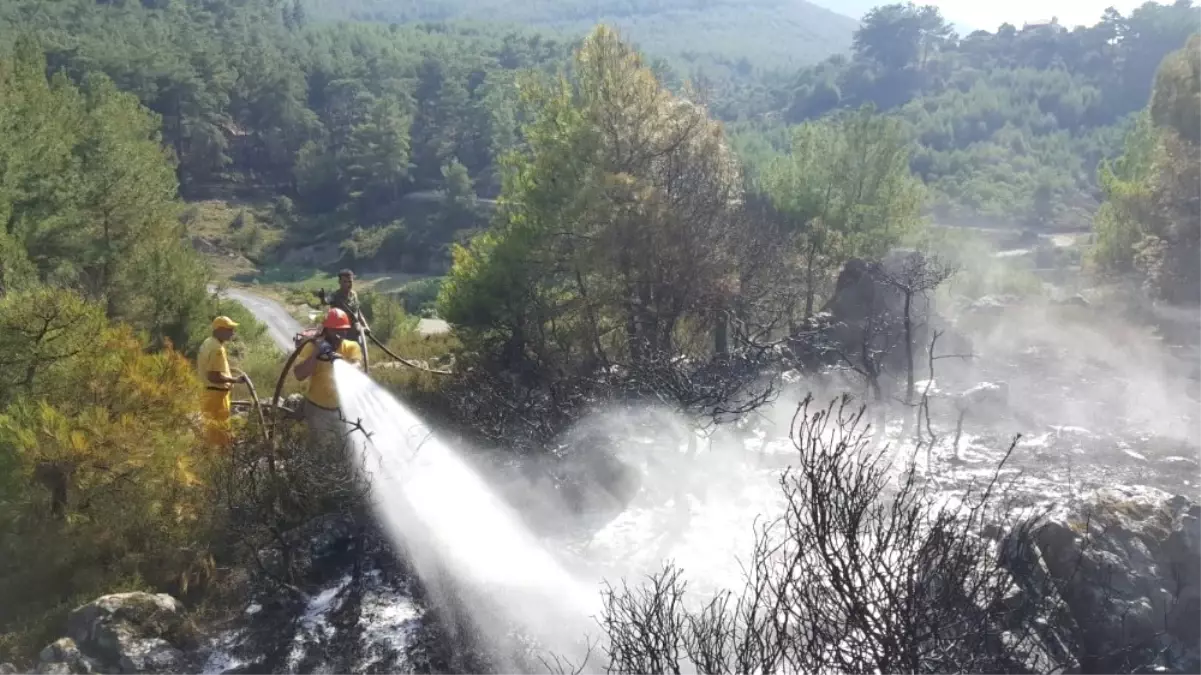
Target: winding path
x,y
281,326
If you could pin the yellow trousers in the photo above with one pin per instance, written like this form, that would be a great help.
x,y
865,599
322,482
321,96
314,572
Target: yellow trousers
x,y
214,405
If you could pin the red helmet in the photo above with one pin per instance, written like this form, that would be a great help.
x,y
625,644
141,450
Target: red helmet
x,y
336,319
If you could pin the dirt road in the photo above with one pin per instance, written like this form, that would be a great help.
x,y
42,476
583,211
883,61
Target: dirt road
x,y
281,326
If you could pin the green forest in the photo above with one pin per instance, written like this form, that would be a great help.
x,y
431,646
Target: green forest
x,y
596,213
1009,126
726,37
338,126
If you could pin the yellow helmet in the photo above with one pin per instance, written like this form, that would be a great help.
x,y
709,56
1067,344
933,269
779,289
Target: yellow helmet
x,y
224,322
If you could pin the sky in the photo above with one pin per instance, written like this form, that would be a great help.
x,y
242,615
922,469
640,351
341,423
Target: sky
x,y
985,15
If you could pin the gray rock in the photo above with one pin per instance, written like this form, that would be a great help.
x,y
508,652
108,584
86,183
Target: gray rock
x,y
1128,568
123,632
150,656
986,398
64,656
62,650
7,669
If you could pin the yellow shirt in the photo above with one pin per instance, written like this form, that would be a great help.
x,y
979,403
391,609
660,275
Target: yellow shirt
x,y
322,391
212,357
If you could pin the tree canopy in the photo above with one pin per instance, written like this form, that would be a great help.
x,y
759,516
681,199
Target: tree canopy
x,y
1150,222
88,198
723,37
1011,124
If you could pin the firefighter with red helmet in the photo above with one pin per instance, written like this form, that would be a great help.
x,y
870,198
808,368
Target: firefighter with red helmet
x,y
315,365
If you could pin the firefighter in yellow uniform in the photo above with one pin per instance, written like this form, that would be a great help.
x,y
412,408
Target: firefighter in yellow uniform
x,y
322,411
212,364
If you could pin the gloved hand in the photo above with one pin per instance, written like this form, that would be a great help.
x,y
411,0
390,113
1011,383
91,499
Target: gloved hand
x,y
326,352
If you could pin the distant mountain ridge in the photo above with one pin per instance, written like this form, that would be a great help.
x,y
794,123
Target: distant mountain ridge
x,y
852,8
762,33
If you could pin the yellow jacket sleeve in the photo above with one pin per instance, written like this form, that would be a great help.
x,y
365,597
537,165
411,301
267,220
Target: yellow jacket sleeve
x,y
351,351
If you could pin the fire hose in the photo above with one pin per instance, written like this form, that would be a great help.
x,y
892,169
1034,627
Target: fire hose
x,y
283,375
258,406
405,361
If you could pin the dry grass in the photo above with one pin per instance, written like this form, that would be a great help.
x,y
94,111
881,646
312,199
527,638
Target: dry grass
x,y
231,245
214,220
434,350
233,234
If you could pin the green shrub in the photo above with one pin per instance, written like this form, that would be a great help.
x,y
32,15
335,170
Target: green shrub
x,y
283,209
435,351
421,295
103,477
385,315
262,361
250,329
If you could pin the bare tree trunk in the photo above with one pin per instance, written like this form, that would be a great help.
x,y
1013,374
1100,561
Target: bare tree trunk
x,y
56,478
959,431
809,274
632,334
908,323
721,334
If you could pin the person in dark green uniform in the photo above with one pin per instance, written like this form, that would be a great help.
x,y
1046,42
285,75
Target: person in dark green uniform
x,y
347,300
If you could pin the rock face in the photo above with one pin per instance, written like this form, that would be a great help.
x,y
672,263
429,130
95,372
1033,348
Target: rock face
x,y
1128,567
122,633
1127,563
867,306
352,609
863,290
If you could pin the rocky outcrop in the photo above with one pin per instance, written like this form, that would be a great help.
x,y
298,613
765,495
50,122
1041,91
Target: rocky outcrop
x,y
357,612
122,633
868,306
1127,567
863,290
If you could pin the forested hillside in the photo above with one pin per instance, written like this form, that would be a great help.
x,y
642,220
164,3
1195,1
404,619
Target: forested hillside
x,y
1010,124
337,121
722,36
341,132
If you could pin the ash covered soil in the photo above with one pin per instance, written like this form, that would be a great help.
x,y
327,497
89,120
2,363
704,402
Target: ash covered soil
x,y
1098,403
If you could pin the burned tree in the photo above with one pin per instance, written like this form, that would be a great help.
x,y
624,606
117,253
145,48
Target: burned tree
x,y
856,576
914,278
278,493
